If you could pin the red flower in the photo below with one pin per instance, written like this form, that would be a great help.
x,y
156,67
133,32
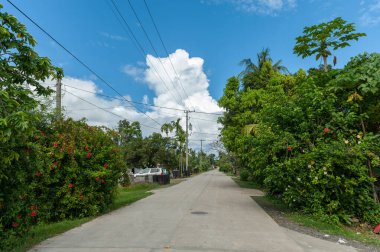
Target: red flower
x,y
14,224
106,165
97,179
102,181
55,144
37,137
326,130
89,155
19,216
33,214
71,185
86,147
290,148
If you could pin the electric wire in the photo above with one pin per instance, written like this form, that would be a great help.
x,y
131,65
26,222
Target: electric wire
x,y
151,44
139,46
108,110
75,57
140,103
167,54
166,51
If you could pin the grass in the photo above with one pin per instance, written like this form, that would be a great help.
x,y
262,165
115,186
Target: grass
x,y
359,233
44,231
246,184
364,235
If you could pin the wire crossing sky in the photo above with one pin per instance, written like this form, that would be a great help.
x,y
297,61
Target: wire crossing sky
x,y
150,60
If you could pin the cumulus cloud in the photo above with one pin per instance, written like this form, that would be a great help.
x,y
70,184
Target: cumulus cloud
x,y
183,88
267,7
135,72
370,14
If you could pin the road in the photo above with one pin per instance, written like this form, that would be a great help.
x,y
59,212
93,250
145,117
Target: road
x,y
208,212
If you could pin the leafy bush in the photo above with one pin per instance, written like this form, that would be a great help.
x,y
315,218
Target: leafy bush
x,y
68,170
336,184
244,175
79,175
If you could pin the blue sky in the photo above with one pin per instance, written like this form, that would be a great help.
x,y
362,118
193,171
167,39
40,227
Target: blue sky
x,y
214,36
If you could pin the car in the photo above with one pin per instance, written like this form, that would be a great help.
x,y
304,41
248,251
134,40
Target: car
x,y
152,171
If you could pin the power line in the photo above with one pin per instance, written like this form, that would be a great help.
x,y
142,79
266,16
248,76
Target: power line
x,y
84,109
75,57
167,53
140,103
204,133
139,46
151,44
108,110
196,132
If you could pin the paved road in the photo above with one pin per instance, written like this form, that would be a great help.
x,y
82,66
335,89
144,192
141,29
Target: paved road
x,y
208,212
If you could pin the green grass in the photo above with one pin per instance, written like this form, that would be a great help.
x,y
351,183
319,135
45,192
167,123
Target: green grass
x,y
43,231
246,184
363,235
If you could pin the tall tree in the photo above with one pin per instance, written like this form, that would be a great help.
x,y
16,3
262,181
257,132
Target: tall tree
x,y
262,57
320,39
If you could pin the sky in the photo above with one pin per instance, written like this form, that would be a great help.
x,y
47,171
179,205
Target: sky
x,y
186,65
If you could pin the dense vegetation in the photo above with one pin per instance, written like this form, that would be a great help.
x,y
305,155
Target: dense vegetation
x,y
310,138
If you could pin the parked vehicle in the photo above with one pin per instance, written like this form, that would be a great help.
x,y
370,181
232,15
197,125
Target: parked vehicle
x,y
152,171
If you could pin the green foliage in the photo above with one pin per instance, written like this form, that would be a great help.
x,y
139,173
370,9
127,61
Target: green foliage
x,y
319,39
312,139
69,170
48,171
244,175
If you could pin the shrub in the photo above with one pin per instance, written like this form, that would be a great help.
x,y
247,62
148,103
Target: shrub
x,y
331,179
244,175
66,170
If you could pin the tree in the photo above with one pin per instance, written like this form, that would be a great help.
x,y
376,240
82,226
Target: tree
x,y
319,39
21,71
130,139
262,57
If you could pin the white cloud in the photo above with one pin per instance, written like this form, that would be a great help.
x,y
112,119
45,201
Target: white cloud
x,y
113,37
267,7
135,72
371,14
76,102
190,92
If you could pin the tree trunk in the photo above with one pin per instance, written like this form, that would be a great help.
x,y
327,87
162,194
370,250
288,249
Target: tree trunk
x,y
325,63
371,172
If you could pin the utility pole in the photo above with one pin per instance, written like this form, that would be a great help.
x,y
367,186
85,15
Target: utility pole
x,y
201,157
58,97
187,142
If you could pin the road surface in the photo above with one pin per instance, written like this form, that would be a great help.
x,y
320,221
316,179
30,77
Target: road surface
x,y
208,212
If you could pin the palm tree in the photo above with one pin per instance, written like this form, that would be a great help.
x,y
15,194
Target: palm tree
x,y
262,57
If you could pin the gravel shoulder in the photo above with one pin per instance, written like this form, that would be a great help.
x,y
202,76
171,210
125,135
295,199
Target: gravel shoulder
x,y
282,220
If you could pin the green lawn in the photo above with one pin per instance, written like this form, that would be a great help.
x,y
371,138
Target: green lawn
x,y
364,235
42,231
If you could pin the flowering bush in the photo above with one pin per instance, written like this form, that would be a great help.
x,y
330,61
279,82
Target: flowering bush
x,y
336,184
78,171
67,170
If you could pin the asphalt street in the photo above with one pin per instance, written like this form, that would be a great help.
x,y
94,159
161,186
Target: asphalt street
x,y
208,212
